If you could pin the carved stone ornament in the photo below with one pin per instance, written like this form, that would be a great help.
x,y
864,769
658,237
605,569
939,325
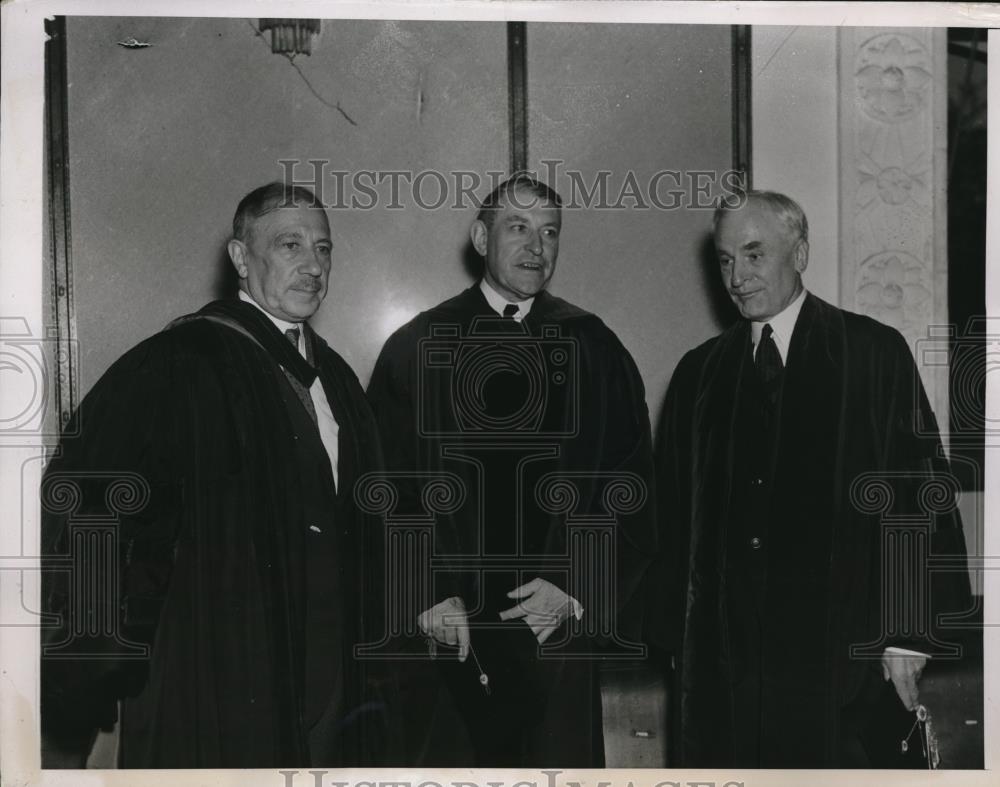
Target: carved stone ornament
x,y
892,73
893,288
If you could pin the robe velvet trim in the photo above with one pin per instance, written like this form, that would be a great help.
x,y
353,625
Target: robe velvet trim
x,y
849,405
213,567
614,421
561,720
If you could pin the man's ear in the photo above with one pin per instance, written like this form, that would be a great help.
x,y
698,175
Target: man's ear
x,y
479,234
238,254
802,256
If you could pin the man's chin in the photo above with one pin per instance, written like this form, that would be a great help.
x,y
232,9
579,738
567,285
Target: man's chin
x,y
748,311
531,288
305,299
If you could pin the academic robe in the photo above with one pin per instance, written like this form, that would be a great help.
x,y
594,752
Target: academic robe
x,y
241,569
450,398
773,569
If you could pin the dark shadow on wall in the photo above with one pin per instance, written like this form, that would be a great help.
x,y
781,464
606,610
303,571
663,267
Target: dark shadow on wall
x,y
226,282
967,133
472,263
719,305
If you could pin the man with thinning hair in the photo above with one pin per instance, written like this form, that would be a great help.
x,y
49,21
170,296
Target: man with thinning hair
x,y
788,652
243,573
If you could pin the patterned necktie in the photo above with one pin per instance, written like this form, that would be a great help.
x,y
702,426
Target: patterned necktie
x,y
292,334
769,365
510,311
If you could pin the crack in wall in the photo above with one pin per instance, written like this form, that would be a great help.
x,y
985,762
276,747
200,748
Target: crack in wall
x,y
291,61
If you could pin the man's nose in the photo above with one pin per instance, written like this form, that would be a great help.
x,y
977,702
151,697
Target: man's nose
x,y
534,243
312,264
738,274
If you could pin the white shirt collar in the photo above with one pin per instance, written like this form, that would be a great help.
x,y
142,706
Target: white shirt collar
x,y
782,324
282,325
497,302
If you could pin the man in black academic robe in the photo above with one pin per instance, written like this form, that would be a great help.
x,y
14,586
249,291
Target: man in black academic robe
x,y
788,442
224,455
536,412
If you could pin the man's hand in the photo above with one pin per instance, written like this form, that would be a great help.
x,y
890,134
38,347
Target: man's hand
x,y
543,607
904,670
447,623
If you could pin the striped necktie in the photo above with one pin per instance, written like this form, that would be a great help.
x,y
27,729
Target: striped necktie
x,y
292,334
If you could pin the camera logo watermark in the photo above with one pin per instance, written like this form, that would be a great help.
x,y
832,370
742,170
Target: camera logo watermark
x,y
973,355
32,370
498,409
469,365
86,563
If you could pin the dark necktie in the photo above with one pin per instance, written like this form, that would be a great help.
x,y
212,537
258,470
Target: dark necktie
x,y
292,334
768,361
510,311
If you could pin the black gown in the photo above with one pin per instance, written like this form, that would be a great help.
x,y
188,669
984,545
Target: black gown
x,y
541,424
242,571
773,544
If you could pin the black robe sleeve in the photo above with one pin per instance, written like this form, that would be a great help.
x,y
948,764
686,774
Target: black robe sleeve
x,y
613,405
924,485
393,396
112,466
667,579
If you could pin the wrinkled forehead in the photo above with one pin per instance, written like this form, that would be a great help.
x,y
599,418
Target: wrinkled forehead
x,y
523,200
753,220
291,214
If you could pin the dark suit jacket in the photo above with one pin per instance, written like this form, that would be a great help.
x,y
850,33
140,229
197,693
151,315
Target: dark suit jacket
x,y
790,606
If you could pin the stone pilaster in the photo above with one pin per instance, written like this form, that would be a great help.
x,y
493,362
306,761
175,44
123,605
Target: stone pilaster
x,y
893,196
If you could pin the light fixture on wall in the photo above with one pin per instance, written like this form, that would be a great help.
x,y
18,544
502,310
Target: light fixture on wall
x,y
291,36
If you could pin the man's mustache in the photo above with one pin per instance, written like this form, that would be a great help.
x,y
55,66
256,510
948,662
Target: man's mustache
x,y
310,284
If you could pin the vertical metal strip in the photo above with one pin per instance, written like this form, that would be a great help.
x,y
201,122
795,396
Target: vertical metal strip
x,y
517,94
742,104
59,253
939,374
846,184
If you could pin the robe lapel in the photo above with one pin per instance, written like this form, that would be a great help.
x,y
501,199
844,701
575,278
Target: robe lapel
x,y
343,413
726,373
254,322
812,408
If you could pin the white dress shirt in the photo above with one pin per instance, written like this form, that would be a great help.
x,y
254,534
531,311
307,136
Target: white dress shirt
x,y
497,302
329,429
782,325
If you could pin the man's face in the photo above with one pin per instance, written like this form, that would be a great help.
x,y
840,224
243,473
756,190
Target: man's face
x,y
521,247
760,260
284,265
